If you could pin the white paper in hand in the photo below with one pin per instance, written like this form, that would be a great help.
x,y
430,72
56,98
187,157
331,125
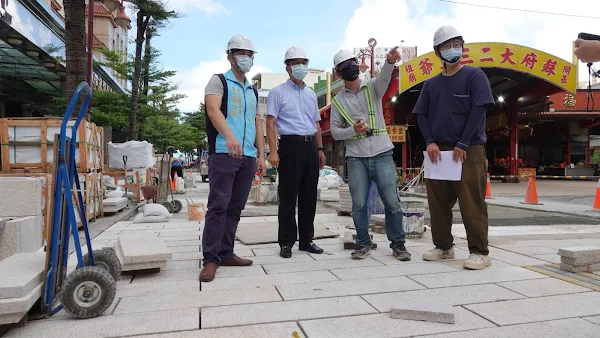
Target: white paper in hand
x,y
445,170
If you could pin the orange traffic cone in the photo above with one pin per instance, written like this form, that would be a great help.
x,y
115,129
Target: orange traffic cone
x,y
596,205
531,197
488,188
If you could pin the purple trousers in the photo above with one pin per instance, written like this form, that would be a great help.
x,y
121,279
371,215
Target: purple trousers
x,y
229,181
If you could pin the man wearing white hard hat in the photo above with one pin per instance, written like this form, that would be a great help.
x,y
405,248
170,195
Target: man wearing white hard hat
x,y
293,113
357,118
451,112
236,151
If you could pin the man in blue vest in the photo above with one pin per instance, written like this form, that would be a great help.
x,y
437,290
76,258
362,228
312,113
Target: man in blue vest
x,y
368,149
236,151
293,113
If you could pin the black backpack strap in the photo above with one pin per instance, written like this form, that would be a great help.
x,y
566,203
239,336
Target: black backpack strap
x,y
255,93
224,98
211,131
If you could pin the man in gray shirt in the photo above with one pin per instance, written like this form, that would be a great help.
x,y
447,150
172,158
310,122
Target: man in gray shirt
x,y
368,149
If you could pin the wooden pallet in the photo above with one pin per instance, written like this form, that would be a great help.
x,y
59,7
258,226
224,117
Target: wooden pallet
x,y
27,145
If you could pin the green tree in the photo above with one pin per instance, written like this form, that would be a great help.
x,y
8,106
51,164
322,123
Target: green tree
x,y
163,132
147,11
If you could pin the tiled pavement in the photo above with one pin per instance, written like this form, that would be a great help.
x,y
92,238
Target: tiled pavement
x,y
330,295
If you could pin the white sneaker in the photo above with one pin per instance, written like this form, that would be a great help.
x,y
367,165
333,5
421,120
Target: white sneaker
x,y
477,262
437,254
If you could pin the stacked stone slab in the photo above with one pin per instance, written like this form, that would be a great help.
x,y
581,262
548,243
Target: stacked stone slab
x,y
142,252
345,200
580,259
350,240
20,235
114,204
20,285
22,224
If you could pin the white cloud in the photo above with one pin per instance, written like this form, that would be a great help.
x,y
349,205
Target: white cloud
x,y
193,81
390,21
210,7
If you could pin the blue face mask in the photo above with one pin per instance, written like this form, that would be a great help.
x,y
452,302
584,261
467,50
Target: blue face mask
x,y
299,71
244,63
452,55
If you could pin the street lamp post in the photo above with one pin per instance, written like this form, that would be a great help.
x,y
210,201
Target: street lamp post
x,y
371,53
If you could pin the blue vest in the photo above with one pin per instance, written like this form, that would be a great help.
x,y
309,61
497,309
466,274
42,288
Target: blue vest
x,y
239,108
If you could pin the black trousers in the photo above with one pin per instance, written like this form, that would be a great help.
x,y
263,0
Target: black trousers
x,y
298,178
178,170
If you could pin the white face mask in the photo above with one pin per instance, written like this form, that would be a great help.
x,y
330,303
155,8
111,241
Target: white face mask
x,y
244,63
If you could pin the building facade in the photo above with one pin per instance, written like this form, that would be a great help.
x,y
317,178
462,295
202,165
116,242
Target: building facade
x,y
32,53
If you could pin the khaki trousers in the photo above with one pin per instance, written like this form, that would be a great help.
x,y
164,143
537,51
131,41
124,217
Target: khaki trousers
x,y
470,192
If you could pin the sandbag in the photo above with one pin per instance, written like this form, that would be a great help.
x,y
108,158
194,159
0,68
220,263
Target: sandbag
x,y
154,209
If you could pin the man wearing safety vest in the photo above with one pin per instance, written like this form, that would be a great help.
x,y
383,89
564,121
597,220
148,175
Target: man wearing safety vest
x,y
357,118
293,113
236,148
451,112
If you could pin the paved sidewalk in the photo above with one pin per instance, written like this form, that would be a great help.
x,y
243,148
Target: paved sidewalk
x,y
330,295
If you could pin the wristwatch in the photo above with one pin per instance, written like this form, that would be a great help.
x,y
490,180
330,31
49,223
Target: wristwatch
x,y
322,149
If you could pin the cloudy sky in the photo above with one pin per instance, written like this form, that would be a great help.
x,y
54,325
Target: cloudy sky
x,y
194,45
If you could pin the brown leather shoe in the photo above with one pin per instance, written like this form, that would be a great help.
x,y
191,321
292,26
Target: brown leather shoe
x,y
208,272
236,261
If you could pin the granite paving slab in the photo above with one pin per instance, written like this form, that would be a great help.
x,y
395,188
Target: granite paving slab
x,y
180,265
111,326
270,279
148,289
539,309
274,330
459,295
466,277
382,325
346,288
284,311
319,265
566,328
391,270
197,299
543,287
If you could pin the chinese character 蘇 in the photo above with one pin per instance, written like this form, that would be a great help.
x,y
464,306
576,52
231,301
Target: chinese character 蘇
x,y
465,58
486,59
426,66
506,56
549,67
529,60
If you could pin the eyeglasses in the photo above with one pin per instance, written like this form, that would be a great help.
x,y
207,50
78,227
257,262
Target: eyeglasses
x,y
451,44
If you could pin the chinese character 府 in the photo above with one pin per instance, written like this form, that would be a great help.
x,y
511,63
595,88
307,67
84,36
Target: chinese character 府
x,y
529,60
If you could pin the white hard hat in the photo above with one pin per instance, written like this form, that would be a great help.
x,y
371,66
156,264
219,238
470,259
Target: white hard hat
x,y
444,34
295,52
342,56
240,42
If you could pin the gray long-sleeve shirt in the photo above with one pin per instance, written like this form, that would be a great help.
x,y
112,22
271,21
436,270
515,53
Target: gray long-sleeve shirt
x,y
357,107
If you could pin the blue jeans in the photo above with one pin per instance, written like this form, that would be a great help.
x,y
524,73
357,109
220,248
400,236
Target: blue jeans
x,y
381,170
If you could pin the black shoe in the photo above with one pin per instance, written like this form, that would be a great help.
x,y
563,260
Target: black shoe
x,y
312,248
286,252
401,253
